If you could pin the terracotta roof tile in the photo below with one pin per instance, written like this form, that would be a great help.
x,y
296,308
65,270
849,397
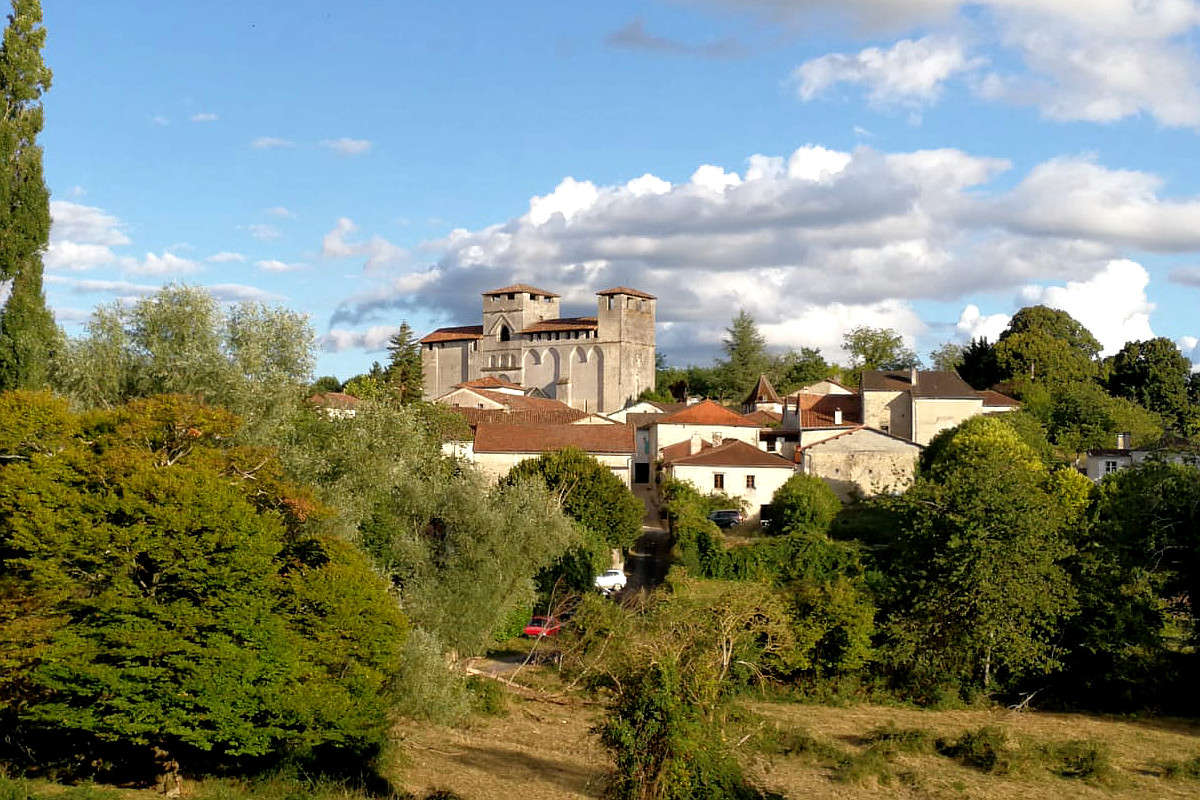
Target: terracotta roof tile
x,y
763,392
730,453
817,410
628,291
334,400
490,382
707,412
454,334
764,418
563,324
518,288
995,399
500,438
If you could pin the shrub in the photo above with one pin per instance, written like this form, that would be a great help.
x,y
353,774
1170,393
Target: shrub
x,y
803,503
988,749
487,697
891,739
1079,758
862,767
1185,770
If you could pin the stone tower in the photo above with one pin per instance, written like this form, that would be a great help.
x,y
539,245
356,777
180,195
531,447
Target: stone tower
x,y
625,318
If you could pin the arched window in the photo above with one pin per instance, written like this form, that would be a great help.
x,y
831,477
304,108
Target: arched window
x,y
505,334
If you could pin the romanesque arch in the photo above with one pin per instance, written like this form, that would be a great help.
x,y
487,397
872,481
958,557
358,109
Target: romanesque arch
x,y
587,378
542,370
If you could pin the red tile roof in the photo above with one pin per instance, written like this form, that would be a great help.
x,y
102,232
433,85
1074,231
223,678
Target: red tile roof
x,y
993,398
454,334
628,291
499,438
764,418
520,288
730,453
334,400
763,392
489,382
563,324
707,412
817,410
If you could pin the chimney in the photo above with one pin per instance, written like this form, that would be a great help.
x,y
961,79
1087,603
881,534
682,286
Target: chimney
x,y
837,416
912,375
695,444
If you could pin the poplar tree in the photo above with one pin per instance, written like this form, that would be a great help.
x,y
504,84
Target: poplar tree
x,y
27,330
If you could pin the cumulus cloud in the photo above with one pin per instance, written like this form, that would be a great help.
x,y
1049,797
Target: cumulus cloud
x,y
1112,304
82,237
374,338
973,324
166,263
275,265
910,73
347,147
634,36
808,241
379,253
225,292
271,143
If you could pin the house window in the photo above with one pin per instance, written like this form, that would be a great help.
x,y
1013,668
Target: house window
x,y
772,444
1110,467
749,481
718,480
884,427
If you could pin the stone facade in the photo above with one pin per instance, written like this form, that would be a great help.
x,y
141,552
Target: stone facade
x,y
596,364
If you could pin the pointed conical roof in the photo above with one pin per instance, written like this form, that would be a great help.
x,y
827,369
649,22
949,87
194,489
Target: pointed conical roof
x,y
763,392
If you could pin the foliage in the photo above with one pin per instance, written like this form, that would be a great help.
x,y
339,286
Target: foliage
x,y
803,503
405,375
745,357
878,348
800,368
947,358
1047,346
1084,417
324,384
976,585
978,366
159,588
987,749
1031,431
1153,374
252,359
28,335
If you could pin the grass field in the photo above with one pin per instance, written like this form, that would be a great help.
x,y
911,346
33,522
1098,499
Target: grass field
x,y
541,747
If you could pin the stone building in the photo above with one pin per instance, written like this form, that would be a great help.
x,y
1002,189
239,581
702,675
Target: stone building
x,y
596,364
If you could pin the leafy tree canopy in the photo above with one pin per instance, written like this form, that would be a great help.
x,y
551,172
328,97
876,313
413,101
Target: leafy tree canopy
x,y
1152,373
1048,346
947,358
978,366
878,348
803,503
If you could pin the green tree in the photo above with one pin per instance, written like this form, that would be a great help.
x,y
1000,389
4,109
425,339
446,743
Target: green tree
x,y
800,368
878,348
405,375
592,496
1047,346
164,590
976,585
28,335
979,367
1083,417
803,503
745,356
1154,374
948,358
325,383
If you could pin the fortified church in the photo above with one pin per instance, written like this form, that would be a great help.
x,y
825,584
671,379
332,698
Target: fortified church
x,y
596,364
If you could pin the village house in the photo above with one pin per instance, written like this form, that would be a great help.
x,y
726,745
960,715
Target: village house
x,y
1172,449
861,462
734,467
495,448
708,419
595,364
919,404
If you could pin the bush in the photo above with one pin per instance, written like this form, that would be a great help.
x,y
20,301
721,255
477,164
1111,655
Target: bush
x,y
803,503
1183,770
1079,758
891,739
987,749
487,697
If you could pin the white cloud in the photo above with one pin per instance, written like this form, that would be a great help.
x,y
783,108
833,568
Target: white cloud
x,y
1112,304
271,143
569,198
347,147
77,191
205,116
280,212
76,256
379,253
373,339
909,73
973,324
82,237
264,232
155,264
160,120
274,265
226,257
225,292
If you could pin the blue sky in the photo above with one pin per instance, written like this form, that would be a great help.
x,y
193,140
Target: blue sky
x,y
929,166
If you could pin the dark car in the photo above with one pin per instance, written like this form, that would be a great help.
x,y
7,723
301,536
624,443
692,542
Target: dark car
x,y
543,626
726,518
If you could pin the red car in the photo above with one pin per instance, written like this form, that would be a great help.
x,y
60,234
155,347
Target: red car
x,y
543,626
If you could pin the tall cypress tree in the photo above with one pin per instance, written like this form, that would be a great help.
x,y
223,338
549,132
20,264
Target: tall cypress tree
x,y
404,371
27,330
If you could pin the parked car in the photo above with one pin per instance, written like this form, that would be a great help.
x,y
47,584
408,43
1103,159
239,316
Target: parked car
x,y
727,517
543,626
611,580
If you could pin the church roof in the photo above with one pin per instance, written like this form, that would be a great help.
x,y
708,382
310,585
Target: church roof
x,y
708,412
454,334
518,288
489,382
562,324
628,291
763,392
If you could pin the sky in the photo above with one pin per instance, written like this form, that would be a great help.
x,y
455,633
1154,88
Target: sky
x,y
930,166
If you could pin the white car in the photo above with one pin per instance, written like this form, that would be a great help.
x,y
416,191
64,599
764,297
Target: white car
x,y
611,580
